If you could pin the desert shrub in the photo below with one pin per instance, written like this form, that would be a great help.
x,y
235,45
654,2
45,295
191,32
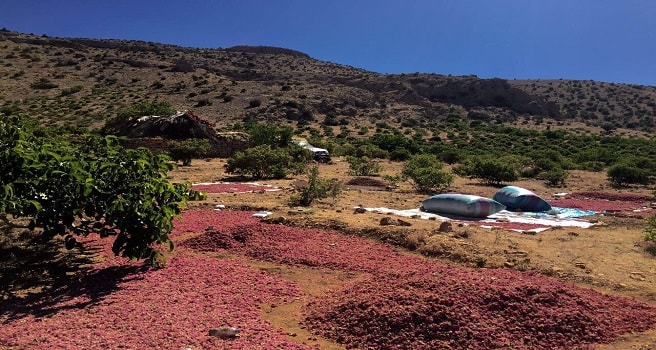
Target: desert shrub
x,y
363,166
254,103
72,90
316,188
554,177
490,170
400,154
624,174
426,173
264,162
43,84
451,156
186,150
371,151
650,229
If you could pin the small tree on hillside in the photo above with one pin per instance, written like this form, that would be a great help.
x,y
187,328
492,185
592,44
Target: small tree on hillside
x,y
186,150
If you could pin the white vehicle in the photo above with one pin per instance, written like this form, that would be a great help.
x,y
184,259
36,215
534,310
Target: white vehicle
x,y
319,154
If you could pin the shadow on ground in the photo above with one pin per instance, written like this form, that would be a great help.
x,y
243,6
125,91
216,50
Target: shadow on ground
x,y
40,278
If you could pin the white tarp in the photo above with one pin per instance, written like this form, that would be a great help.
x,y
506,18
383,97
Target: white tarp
x,y
564,217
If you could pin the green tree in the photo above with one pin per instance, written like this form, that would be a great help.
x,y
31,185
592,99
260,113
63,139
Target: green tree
x,y
270,134
491,171
186,150
426,173
93,188
623,174
264,162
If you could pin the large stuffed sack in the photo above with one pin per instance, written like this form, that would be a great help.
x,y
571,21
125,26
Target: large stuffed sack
x,y
462,205
517,198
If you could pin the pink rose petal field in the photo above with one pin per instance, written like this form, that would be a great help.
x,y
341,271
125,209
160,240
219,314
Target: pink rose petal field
x,y
400,301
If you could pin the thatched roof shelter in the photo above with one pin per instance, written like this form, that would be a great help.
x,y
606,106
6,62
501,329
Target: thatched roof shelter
x,y
179,126
154,132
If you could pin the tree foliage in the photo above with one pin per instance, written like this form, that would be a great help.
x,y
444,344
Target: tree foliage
x,y
187,150
265,162
363,166
426,173
93,187
490,170
623,174
270,135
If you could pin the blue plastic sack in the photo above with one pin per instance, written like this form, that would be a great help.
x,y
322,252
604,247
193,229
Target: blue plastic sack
x,y
518,198
462,205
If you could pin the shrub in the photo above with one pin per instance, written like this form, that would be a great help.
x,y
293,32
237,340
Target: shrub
x,y
491,171
621,175
264,162
316,188
425,171
363,166
254,103
400,154
554,177
71,90
650,229
186,150
43,84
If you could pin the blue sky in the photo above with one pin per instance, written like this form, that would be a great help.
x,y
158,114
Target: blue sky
x,y
603,40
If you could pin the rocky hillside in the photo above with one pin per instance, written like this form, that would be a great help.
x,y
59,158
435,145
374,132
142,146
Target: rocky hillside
x,y
83,82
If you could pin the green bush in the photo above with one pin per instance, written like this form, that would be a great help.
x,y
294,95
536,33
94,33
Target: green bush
x,y
263,162
316,188
554,177
425,171
650,229
269,134
363,166
491,171
186,150
621,175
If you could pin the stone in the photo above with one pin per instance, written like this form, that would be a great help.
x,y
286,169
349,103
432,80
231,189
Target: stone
x,y
225,332
387,221
445,226
403,223
360,210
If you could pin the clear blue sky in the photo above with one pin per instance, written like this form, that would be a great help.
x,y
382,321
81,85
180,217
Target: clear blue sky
x,y
603,40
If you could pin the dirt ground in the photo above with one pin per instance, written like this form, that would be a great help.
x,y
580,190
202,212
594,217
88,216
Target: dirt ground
x,y
611,257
